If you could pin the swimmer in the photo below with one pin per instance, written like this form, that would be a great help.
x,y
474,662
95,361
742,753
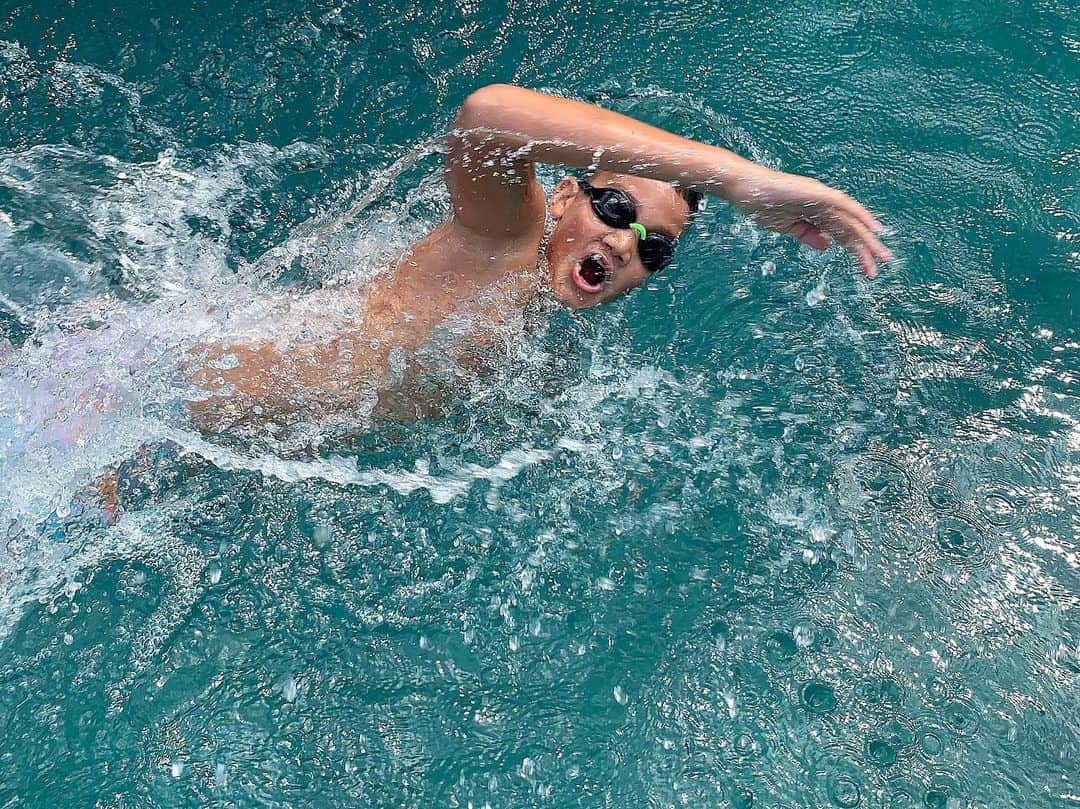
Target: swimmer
x,y
504,243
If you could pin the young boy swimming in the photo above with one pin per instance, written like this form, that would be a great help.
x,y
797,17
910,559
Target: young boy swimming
x,y
505,243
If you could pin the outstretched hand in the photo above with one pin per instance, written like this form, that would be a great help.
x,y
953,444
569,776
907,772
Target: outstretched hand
x,y
811,212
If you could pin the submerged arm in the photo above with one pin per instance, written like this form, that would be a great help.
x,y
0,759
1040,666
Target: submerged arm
x,y
502,130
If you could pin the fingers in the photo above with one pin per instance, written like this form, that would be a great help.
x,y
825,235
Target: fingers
x,y
852,207
878,250
864,245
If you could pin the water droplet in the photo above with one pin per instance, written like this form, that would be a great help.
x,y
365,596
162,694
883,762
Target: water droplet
x,y
221,778
322,534
177,768
620,695
68,639
213,573
720,634
288,689
768,268
803,635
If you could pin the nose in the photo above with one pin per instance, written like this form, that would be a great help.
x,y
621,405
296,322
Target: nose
x,y
622,244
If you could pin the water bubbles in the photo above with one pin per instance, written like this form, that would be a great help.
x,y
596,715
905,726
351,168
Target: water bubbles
x,y
880,753
962,542
882,695
768,268
961,716
999,504
68,639
844,791
887,484
818,697
741,797
936,799
931,741
747,744
780,648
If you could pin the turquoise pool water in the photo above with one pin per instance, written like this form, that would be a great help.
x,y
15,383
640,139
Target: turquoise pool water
x,y
763,534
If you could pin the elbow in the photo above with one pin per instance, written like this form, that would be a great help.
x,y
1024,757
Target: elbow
x,y
483,106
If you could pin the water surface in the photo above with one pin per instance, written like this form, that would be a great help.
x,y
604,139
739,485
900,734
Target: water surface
x,y
762,534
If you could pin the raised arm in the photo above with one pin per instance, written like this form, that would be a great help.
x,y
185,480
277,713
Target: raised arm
x,y
502,130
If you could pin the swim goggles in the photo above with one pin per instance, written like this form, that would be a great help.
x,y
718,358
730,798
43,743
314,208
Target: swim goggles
x,y
614,208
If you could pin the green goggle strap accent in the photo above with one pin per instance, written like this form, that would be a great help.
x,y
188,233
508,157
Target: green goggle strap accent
x,y
639,229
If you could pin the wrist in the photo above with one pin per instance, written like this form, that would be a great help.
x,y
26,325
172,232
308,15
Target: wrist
x,y
736,178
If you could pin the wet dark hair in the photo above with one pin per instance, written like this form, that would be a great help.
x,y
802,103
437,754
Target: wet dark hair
x,y
692,197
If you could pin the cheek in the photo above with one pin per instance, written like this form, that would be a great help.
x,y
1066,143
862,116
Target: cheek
x,y
574,230
633,277
630,280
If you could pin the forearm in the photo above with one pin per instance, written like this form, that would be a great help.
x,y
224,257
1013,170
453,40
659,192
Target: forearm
x,y
526,125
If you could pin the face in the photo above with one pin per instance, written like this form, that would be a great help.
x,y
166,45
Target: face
x,y
593,263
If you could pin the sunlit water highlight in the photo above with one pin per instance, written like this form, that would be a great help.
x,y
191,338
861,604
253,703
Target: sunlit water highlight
x,y
761,535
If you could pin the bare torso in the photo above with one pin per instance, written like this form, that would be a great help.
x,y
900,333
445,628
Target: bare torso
x,y
375,350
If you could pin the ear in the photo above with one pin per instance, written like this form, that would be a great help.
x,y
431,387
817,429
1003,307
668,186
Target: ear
x,y
562,196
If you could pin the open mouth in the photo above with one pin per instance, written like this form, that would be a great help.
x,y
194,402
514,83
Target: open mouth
x,y
590,273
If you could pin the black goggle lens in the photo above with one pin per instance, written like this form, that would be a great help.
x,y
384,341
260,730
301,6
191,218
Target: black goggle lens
x,y
656,251
615,209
